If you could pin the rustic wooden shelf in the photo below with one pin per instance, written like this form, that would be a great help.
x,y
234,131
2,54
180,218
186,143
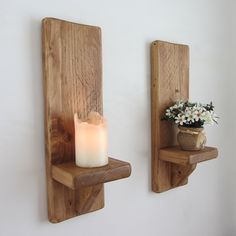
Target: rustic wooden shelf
x,y
72,68
181,157
74,177
171,166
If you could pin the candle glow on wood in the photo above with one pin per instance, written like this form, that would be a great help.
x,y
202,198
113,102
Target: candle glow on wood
x,y
91,141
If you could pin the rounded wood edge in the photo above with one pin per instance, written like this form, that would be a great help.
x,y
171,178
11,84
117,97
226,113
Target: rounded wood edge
x,y
48,19
129,169
159,42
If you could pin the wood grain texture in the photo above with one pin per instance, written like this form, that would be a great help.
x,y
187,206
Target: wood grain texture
x,y
178,156
171,166
75,177
72,64
180,174
170,82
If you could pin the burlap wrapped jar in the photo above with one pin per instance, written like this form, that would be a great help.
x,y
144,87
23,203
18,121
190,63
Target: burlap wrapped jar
x,y
191,139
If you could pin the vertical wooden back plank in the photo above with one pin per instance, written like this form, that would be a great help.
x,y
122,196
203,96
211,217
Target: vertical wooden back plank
x,y
72,64
170,82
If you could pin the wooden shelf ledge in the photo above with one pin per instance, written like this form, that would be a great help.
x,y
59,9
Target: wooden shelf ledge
x,y
74,177
178,156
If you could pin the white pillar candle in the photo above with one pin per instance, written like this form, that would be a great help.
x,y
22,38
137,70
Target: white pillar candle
x,y
91,141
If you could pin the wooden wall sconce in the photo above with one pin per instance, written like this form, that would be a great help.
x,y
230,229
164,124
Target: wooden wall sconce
x,y
72,62
171,166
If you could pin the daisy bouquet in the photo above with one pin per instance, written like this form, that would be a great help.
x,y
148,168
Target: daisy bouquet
x,y
191,114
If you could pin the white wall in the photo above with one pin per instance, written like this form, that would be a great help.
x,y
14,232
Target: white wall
x,y
232,110
205,205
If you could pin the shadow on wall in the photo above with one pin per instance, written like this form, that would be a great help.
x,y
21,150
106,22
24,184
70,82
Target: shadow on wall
x,y
148,110
34,34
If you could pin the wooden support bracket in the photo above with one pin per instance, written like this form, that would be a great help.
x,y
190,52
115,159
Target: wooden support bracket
x,y
171,166
72,63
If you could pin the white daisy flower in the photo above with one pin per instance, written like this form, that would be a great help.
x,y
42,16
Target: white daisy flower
x,y
190,116
180,119
207,117
197,114
213,116
175,107
199,108
187,109
168,113
179,104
